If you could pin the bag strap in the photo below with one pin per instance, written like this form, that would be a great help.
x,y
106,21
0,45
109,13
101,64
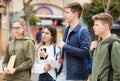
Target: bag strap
x,y
54,47
109,51
89,59
79,33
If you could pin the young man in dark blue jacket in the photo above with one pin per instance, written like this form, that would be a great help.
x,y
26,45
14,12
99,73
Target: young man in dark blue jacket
x,y
74,53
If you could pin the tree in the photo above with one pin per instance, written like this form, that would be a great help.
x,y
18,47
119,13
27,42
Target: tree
x,y
91,9
27,13
34,19
97,6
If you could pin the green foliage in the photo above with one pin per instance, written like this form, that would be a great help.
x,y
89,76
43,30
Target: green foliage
x,y
29,8
34,19
95,7
115,9
91,9
30,13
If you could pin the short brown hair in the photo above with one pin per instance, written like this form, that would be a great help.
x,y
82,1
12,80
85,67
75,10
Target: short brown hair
x,y
104,17
75,7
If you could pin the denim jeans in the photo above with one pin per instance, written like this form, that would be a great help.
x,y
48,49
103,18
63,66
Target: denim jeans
x,y
62,77
45,77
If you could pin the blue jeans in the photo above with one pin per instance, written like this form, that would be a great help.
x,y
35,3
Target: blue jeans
x,y
45,77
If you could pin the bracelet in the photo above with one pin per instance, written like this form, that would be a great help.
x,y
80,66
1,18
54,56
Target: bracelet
x,y
46,57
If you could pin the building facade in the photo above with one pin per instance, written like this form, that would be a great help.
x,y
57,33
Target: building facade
x,y
49,11
4,24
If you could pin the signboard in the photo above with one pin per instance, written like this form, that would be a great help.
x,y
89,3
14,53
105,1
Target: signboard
x,y
116,25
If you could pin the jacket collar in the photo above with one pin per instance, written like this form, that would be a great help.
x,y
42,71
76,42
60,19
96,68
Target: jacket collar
x,y
113,36
75,28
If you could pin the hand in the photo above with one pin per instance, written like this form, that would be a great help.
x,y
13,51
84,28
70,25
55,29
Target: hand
x,y
93,45
9,71
60,44
47,67
12,71
42,53
6,70
60,60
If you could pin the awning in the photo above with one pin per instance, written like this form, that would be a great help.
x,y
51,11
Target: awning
x,y
50,16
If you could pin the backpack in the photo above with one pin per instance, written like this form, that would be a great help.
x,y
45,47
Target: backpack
x,y
110,75
88,59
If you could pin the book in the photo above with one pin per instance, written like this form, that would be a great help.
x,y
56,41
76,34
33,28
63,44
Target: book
x,y
11,62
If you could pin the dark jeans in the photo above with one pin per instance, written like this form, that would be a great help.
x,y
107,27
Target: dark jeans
x,y
45,77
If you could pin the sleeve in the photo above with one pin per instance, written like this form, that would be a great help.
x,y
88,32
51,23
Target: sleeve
x,y
53,61
83,50
38,67
115,59
6,57
29,57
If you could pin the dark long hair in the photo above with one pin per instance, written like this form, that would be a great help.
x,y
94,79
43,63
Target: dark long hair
x,y
53,32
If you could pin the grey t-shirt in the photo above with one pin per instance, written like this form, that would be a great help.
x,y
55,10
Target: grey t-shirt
x,y
64,61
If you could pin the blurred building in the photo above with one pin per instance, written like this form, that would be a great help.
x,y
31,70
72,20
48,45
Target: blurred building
x,y
116,28
4,23
50,12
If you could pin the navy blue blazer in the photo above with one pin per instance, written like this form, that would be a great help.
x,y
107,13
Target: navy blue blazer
x,y
76,53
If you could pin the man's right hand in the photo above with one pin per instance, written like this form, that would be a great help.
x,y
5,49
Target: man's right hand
x,y
60,60
93,45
